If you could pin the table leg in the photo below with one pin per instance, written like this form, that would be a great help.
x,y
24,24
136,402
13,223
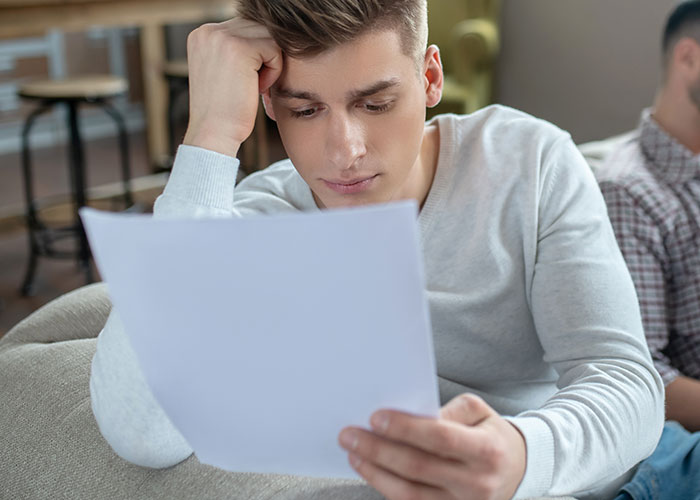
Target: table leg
x,y
155,93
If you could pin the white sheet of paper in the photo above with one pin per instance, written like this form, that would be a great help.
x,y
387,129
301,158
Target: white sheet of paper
x,y
263,337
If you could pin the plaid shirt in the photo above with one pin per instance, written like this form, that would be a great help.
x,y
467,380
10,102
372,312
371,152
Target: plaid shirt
x,y
651,185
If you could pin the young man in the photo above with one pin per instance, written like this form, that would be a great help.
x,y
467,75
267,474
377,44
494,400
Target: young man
x,y
538,338
652,188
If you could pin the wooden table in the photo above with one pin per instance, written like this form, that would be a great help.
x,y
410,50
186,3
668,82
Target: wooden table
x,y
20,18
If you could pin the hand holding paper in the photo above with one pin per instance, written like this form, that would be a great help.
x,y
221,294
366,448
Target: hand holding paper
x,y
469,452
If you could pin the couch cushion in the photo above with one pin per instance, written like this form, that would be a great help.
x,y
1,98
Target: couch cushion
x,y
79,314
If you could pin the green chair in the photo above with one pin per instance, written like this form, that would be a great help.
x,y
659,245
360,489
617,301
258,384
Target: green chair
x,y
468,36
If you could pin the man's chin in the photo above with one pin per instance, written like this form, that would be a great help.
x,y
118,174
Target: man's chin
x,y
347,201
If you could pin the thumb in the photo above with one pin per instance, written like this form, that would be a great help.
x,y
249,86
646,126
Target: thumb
x,y
467,409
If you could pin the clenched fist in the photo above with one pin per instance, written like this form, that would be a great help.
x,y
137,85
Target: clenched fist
x,y
230,65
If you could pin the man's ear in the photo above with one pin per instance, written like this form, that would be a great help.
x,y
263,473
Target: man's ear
x,y
267,104
432,76
686,58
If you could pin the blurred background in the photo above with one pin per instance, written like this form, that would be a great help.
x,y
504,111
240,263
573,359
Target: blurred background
x,y
589,66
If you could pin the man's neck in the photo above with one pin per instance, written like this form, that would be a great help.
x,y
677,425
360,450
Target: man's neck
x,y
420,181
428,159
679,117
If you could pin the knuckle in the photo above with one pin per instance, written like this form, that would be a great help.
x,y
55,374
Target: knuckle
x,y
415,467
193,38
200,32
218,36
472,402
485,487
493,453
369,448
366,472
395,427
410,493
445,438
489,452
199,37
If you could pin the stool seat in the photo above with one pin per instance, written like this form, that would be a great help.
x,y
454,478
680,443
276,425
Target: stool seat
x,y
176,69
82,87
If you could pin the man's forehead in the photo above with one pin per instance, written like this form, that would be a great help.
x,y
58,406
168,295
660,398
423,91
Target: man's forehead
x,y
369,64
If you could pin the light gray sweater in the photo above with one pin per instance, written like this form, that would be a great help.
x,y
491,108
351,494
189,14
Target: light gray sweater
x,y
531,303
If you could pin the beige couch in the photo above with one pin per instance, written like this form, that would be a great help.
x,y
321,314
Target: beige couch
x,y
50,447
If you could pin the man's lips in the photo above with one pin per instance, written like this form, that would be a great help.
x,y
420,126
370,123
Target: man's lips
x,y
351,186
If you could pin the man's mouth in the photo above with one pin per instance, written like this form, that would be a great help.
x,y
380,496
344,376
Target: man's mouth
x,y
352,186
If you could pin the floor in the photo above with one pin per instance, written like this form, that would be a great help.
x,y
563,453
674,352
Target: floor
x,y
56,277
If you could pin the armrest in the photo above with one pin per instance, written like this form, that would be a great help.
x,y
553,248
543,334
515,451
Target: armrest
x,y
476,44
80,314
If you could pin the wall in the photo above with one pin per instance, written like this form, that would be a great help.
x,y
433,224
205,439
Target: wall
x,y
589,66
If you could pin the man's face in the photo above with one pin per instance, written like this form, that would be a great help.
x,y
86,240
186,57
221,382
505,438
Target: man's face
x,y
352,121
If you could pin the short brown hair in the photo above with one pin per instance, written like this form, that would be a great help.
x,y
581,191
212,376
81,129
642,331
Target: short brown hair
x,y
308,27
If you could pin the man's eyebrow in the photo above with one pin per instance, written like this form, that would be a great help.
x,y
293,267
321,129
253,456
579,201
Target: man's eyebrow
x,y
284,93
375,88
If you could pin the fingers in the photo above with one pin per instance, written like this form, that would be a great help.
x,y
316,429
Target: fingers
x,y
390,485
269,53
239,38
258,45
453,436
398,459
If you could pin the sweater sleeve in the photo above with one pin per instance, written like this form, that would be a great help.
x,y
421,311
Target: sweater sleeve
x,y
607,413
129,417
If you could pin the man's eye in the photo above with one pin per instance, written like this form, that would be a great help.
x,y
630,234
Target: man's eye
x,y
303,113
377,108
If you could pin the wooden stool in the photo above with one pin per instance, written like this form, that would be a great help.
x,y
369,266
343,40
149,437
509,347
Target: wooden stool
x,y
255,153
72,92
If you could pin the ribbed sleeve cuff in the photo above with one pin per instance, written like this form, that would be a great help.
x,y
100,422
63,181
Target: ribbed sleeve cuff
x,y
539,469
203,177
667,372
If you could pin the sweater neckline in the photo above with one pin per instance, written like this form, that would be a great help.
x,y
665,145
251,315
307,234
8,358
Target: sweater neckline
x,y
436,194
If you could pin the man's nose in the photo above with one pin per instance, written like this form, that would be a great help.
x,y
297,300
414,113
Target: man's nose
x,y
345,141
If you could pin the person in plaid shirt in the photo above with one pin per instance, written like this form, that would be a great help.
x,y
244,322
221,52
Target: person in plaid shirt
x,y
651,185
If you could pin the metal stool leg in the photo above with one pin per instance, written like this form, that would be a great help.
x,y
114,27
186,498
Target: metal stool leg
x,y
33,224
176,88
77,169
172,94
123,150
